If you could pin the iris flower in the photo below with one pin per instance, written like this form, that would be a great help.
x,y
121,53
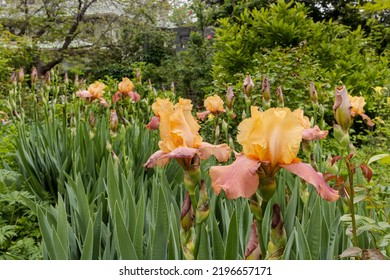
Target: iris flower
x,y
158,106
126,87
357,104
179,137
213,104
94,92
270,141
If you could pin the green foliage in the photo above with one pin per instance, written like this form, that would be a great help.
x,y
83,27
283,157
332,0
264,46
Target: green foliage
x,y
19,233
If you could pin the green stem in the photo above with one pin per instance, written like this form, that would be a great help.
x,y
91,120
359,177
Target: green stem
x,y
260,230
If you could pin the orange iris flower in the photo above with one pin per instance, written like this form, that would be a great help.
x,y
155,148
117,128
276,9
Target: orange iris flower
x,y
213,104
357,104
126,87
179,136
270,141
94,91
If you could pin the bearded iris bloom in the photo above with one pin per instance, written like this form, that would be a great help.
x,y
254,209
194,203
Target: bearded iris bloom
x,y
271,141
94,92
213,105
180,139
357,104
126,87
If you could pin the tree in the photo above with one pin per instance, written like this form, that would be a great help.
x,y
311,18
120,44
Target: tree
x,y
56,27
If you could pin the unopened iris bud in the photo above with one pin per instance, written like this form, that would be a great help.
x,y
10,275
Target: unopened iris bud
x,y
76,81
203,209
278,237
138,77
187,214
313,94
66,78
92,120
48,78
253,251
34,75
113,120
266,92
13,79
229,98
248,85
172,87
342,108
21,75
279,94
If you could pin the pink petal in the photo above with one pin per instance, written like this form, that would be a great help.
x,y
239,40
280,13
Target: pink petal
x,y
104,102
314,133
307,173
367,119
238,179
157,159
202,115
221,152
116,97
84,94
182,152
135,96
153,124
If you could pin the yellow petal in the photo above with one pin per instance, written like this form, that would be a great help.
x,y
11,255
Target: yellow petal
x,y
214,104
303,120
178,128
273,136
126,85
160,105
96,89
357,103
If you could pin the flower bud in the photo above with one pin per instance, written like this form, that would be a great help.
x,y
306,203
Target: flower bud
x,y
138,77
172,87
342,108
34,75
229,98
66,78
76,81
48,78
279,94
113,120
187,214
21,75
13,79
278,237
253,251
248,85
266,92
203,208
313,94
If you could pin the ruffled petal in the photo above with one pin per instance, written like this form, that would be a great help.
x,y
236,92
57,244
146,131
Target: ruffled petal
x,y
367,119
221,152
314,133
202,115
134,96
157,159
103,102
307,173
238,179
116,97
153,124
84,94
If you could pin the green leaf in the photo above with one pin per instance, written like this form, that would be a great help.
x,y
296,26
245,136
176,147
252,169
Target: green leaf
x,y
204,252
218,246
161,230
87,247
382,158
291,209
301,241
124,243
46,234
231,245
62,223
314,230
